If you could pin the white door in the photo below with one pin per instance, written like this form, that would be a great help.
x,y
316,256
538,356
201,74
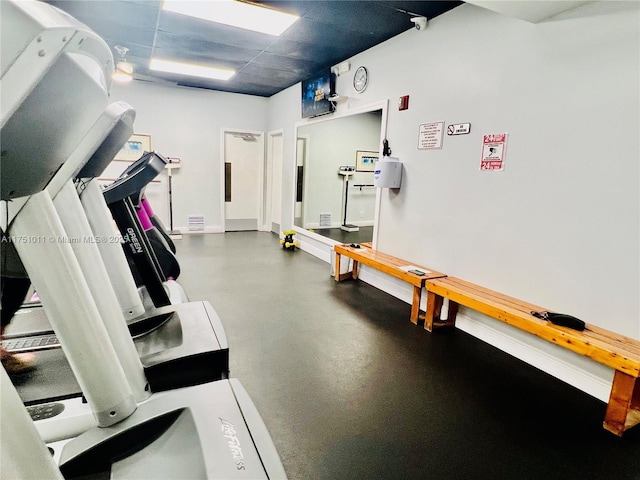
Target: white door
x,y
274,182
243,171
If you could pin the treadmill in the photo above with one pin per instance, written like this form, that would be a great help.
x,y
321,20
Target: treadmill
x,y
162,244
189,343
178,345
211,430
146,250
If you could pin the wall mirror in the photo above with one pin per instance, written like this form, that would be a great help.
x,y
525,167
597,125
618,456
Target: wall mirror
x,y
334,193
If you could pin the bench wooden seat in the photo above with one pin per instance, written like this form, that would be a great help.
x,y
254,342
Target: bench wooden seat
x,y
388,264
611,349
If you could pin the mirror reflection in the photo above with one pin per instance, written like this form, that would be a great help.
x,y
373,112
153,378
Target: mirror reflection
x,y
335,196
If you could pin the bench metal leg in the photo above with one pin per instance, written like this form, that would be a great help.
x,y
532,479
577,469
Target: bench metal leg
x,y
434,307
623,410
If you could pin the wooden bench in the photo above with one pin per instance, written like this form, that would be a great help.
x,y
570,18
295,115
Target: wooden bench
x,y
613,350
388,264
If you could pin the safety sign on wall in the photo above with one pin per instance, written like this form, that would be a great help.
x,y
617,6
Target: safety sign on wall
x,y
430,135
493,151
459,129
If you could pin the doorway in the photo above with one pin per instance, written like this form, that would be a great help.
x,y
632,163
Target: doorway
x,y
242,174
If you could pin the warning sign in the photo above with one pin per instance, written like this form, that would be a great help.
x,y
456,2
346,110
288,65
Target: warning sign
x,y
493,151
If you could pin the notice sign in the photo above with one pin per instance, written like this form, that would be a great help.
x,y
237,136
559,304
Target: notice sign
x,y
493,150
430,135
459,129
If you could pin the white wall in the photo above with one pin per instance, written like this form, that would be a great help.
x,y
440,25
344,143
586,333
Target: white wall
x,y
565,211
284,111
186,123
559,227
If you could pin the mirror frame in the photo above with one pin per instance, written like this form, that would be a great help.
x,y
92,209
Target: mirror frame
x,y
371,107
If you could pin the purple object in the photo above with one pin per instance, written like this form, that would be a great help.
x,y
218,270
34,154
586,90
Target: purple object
x,y
145,221
147,206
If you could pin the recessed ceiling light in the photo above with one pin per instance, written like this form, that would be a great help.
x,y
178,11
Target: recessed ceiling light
x,y
234,13
191,69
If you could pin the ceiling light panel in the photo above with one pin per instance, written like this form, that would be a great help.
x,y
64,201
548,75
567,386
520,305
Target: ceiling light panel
x,y
237,14
191,69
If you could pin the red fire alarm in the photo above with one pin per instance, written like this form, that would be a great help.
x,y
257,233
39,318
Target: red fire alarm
x,y
403,103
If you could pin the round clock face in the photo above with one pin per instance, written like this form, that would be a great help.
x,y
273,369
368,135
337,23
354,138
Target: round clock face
x,y
360,79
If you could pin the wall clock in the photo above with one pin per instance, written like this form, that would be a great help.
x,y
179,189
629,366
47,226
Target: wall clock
x,y
360,79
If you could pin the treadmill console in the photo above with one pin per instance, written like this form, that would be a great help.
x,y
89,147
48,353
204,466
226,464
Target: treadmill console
x,y
135,177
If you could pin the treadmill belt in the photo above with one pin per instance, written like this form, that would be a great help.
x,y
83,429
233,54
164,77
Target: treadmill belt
x,y
30,344
52,379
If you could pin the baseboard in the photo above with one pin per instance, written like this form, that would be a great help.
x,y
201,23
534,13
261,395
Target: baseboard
x,y
579,371
388,284
359,223
307,245
207,229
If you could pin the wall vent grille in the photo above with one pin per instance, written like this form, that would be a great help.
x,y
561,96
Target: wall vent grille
x,y
325,219
196,223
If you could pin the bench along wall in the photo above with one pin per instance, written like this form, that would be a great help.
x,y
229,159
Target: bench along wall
x,y
559,227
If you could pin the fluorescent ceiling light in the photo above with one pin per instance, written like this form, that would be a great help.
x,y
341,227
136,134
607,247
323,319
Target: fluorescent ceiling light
x,y
236,14
191,69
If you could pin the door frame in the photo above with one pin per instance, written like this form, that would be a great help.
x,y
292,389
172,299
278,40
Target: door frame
x,y
261,172
306,139
268,180
380,105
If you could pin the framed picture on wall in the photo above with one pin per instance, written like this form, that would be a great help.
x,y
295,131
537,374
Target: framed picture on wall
x,y
133,149
366,160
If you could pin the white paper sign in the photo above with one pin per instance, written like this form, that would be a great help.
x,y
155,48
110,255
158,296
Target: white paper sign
x,y
430,135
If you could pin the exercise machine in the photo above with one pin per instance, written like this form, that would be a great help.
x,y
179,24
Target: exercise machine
x,y
211,430
148,253
178,345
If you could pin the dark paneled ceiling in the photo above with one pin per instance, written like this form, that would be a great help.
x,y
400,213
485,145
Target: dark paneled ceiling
x,y
327,33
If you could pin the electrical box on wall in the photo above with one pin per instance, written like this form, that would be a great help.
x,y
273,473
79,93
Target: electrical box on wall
x,y
388,173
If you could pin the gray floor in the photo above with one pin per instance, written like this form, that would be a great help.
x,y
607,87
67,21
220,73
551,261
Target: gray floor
x,y
350,389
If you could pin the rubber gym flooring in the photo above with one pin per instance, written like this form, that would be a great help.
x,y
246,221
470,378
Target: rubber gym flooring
x,y
350,389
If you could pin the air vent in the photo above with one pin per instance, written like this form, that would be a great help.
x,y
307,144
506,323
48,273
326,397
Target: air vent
x,y
325,219
196,223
